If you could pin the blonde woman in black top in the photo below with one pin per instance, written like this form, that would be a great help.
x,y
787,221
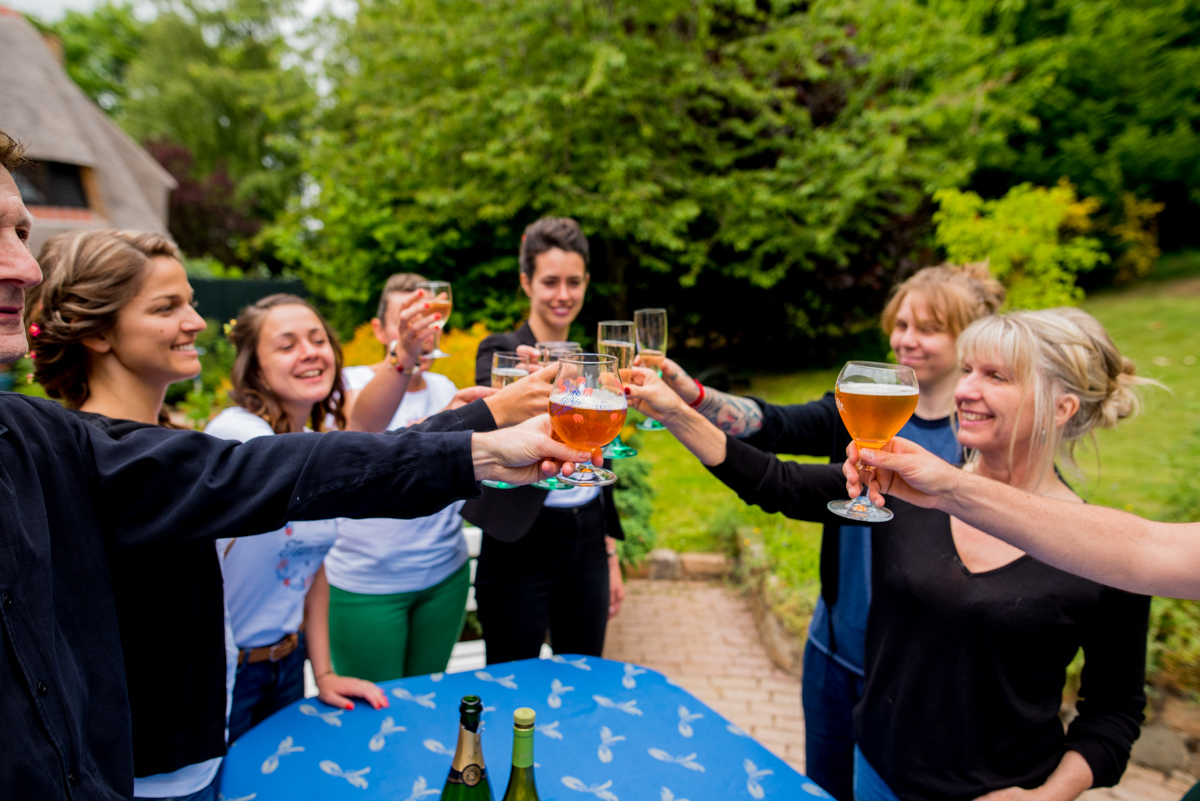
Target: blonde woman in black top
x,y
968,638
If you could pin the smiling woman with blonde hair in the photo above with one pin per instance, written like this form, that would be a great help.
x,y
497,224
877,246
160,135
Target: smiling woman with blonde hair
x,y
968,639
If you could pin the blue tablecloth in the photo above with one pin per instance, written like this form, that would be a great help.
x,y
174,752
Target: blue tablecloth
x,y
607,731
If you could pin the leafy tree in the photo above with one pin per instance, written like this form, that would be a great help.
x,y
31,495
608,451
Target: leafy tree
x,y
98,48
762,165
1115,91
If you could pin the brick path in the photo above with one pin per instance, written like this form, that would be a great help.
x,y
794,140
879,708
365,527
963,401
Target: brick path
x,y
703,636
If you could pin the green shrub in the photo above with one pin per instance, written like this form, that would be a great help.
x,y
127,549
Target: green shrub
x,y
634,497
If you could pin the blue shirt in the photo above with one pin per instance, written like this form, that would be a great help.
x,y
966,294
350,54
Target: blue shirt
x,y
841,632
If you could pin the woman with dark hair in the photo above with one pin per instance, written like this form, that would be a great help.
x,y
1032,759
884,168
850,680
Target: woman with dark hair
x,y
286,378
549,562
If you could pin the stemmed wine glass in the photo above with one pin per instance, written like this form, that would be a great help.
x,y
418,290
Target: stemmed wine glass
x,y
441,300
875,400
546,350
651,325
587,409
615,338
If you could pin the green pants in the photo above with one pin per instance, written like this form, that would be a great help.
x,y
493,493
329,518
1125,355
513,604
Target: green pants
x,y
384,637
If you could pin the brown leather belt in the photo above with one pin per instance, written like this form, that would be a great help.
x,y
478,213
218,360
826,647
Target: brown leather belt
x,y
271,653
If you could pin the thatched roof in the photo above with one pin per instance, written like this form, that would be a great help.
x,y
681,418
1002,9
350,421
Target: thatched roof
x,y
41,106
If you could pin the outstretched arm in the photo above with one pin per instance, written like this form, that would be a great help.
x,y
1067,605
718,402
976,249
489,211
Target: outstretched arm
x,y
1105,545
738,417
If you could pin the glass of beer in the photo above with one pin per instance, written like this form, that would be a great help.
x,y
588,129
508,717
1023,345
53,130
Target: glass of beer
x,y
441,302
507,367
875,400
651,325
616,338
587,409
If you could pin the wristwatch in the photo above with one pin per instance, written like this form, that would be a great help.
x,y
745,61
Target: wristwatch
x,y
394,360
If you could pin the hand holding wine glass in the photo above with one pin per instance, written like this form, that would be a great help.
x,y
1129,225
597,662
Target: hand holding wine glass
x,y
587,410
441,302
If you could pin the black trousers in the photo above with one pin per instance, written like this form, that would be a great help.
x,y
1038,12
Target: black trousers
x,y
554,579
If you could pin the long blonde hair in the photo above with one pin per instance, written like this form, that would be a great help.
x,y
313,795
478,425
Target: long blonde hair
x,y
1051,352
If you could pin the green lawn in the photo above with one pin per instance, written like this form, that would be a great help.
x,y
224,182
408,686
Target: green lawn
x,y
1154,323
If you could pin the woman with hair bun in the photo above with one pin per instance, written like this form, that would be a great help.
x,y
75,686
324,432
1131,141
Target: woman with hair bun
x,y
968,638
112,327
922,319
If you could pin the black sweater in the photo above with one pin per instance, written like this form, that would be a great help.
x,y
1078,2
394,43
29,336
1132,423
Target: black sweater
x,y
965,670
71,494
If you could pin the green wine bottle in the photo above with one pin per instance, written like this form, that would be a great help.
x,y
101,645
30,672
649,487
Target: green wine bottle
x,y
468,779
521,786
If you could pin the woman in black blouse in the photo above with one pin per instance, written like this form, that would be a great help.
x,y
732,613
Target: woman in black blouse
x,y
968,638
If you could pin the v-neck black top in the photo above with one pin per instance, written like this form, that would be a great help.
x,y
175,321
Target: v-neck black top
x,y
964,671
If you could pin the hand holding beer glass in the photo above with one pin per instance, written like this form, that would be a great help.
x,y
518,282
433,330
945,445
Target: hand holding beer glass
x,y
587,410
441,301
651,327
875,400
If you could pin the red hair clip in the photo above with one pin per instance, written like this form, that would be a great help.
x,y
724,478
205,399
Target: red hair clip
x,y
34,329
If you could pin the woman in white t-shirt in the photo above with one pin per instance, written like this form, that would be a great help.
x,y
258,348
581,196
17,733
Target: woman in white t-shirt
x,y
285,379
398,588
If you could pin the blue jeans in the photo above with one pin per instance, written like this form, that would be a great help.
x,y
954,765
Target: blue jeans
x,y
209,793
263,688
829,693
868,786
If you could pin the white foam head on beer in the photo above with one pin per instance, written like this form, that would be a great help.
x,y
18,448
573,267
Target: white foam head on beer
x,y
865,388
598,400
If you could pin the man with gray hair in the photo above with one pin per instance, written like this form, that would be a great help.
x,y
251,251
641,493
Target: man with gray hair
x,y
70,494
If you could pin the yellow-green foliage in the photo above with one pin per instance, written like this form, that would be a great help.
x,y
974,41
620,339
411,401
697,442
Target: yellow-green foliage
x,y
364,348
1138,236
1034,239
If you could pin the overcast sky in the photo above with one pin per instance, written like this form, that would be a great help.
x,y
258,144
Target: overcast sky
x,y
48,9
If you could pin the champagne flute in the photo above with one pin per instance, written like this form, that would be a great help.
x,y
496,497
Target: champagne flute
x,y
615,338
441,301
507,367
651,327
875,400
587,409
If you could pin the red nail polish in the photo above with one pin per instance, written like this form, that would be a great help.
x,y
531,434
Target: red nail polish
x,y
351,706
626,390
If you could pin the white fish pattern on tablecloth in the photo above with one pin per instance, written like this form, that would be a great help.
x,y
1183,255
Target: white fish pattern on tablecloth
x,y
332,718
685,721
422,790
287,746
378,739
438,748
436,676
601,791
629,707
753,774
607,738
732,729
355,777
549,729
557,688
667,795
503,681
580,663
251,797
813,789
628,681
425,700
688,761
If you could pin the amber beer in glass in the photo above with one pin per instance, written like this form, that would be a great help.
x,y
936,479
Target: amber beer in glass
x,y
441,301
587,409
875,400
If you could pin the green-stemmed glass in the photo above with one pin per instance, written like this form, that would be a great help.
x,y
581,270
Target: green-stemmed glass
x,y
615,338
651,327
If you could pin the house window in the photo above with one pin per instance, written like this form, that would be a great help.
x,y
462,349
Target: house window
x,y
51,183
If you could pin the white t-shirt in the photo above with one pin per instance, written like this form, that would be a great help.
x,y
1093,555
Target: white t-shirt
x,y
267,575
381,556
194,778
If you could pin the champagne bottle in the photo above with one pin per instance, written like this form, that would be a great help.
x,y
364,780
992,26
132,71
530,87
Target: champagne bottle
x,y
521,786
468,779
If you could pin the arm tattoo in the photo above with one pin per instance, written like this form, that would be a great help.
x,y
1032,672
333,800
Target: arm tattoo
x,y
738,417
